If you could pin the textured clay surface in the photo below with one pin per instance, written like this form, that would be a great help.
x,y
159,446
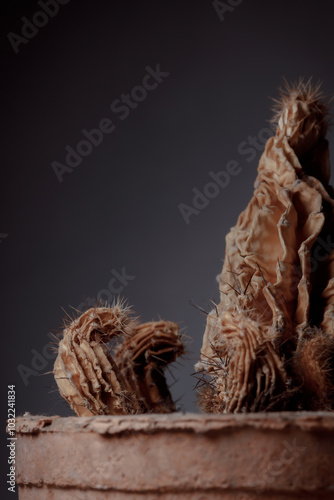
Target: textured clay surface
x,y
241,457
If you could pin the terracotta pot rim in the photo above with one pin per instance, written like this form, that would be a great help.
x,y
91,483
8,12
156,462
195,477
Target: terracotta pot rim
x,y
192,422
176,456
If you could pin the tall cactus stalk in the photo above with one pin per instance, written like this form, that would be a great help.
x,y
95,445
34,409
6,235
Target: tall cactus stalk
x,y
269,343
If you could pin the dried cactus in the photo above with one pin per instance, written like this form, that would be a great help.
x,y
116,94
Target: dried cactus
x,y
142,357
109,364
269,343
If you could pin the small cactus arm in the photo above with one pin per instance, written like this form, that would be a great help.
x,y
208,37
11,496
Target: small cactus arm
x,y
142,358
269,343
109,364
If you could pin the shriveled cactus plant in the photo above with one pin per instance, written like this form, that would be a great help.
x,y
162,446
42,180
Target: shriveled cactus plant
x,y
269,343
110,364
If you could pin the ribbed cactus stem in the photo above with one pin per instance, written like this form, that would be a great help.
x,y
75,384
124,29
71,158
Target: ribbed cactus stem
x,y
276,287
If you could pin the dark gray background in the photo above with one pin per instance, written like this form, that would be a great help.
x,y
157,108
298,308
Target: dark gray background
x,y
119,207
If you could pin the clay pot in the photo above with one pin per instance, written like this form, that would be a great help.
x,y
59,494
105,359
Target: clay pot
x,y
199,457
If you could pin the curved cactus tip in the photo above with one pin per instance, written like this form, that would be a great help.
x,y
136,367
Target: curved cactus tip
x,y
311,97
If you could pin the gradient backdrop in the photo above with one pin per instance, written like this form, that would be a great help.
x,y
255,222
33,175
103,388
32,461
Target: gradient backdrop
x,y
118,210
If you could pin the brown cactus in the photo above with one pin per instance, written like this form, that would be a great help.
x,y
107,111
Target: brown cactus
x,y
142,357
269,343
109,364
